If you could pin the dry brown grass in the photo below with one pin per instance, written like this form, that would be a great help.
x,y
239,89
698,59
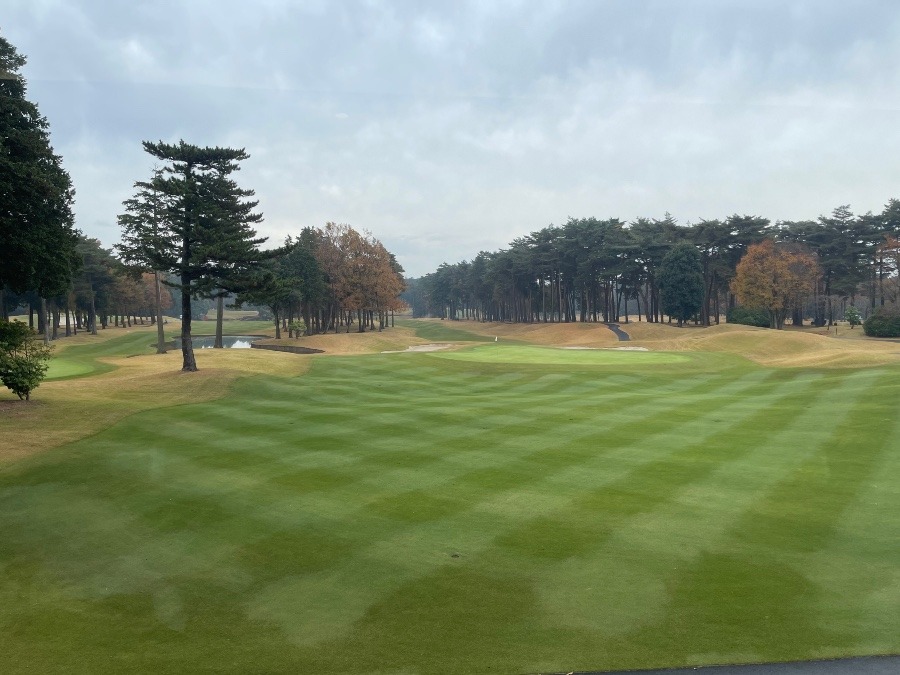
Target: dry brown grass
x,y
785,348
370,342
559,334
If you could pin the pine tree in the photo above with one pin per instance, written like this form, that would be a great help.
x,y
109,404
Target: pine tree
x,y
209,243
680,281
143,232
37,233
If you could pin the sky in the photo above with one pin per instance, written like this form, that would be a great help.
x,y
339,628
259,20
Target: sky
x,y
448,128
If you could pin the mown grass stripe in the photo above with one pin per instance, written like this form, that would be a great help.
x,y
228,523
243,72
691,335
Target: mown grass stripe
x,y
358,519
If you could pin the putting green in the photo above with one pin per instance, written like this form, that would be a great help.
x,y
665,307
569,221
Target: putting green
x,y
60,368
422,514
526,354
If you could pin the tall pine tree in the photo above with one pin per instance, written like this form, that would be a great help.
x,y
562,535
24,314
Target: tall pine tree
x,y
208,222
143,232
37,233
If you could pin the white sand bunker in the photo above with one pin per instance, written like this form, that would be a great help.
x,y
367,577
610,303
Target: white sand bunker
x,y
421,348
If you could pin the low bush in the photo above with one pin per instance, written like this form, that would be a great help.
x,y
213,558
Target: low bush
x,y
748,316
23,358
882,324
853,316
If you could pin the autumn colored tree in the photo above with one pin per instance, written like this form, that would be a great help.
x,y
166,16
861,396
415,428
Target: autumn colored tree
x,y
774,278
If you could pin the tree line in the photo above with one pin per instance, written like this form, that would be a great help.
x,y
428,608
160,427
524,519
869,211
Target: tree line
x,y
603,270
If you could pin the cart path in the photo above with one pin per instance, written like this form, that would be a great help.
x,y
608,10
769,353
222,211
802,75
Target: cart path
x,y
621,334
861,665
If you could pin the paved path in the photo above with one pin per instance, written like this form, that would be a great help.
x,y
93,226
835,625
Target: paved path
x,y
863,665
621,334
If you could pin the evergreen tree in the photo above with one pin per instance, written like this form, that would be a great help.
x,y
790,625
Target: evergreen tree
x,y
144,231
37,234
680,280
209,243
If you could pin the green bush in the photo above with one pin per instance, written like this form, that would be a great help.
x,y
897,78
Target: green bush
x,y
23,358
298,326
882,324
748,316
852,316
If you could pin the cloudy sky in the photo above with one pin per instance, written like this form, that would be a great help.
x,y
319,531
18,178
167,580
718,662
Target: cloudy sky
x,y
445,128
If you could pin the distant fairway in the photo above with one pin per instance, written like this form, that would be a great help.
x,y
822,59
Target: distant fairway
x,y
497,509
561,357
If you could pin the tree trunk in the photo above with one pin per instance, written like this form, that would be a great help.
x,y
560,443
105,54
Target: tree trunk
x,y
189,364
93,317
220,310
54,324
160,332
44,322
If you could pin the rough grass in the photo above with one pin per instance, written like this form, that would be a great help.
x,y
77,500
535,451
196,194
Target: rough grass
x,y
789,349
486,510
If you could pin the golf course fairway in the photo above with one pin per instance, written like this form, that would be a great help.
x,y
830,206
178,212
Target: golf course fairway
x,y
492,509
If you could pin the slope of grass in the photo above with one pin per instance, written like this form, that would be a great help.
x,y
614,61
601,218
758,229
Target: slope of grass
x,y
445,331
406,513
84,354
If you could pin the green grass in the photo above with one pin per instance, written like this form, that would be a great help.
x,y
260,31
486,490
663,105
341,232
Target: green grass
x,y
497,353
78,360
84,359
414,513
443,331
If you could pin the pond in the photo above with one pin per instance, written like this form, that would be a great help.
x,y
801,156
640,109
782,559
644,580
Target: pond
x,y
228,341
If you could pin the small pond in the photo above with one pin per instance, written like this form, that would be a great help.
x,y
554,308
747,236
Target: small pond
x,y
228,341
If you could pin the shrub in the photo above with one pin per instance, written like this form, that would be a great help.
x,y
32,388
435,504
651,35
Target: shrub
x,y
748,316
23,358
852,316
299,327
882,324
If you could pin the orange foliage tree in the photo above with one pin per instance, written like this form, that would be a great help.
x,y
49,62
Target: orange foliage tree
x,y
774,278
361,276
